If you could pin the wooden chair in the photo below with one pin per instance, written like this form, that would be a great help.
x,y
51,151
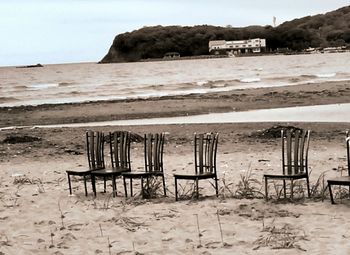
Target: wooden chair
x,y
205,149
94,149
295,147
119,144
343,180
153,156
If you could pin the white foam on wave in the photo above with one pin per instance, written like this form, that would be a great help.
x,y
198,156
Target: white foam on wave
x,y
250,80
201,83
326,75
43,86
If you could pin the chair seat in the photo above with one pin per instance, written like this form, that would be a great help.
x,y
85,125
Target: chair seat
x,y
136,174
109,171
285,176
343,180
142,174
195,176
77,172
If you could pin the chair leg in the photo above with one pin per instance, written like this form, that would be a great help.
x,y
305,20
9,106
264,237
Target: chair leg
x,y
266,190
308,187
70,185
291,189
147,182
125,189
131,193
197,189
176,189
284,189
85,185
330,193
142,190
114,186
164,188
216,186
105,185
93,181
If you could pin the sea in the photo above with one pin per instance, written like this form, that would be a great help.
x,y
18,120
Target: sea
x,y
81,82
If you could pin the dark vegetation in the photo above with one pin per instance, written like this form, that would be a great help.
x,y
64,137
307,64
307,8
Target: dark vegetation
x,y
322,30
13,139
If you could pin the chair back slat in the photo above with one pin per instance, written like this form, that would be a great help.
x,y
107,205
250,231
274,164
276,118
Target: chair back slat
x,y
205,148
125,149
99,148
348,150
120,149
156,149
289,152
295,168
302,150
88,147
153,152
92,150
95,150
209,151
295,146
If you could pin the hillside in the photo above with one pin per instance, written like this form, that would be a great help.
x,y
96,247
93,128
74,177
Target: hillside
x,y
322,30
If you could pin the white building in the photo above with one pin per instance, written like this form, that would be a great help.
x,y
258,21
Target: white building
x,y
256,45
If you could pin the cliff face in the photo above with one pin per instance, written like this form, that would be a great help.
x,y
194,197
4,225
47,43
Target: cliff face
x,y
323,30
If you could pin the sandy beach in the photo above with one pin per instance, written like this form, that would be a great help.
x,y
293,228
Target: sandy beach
x,y
37,215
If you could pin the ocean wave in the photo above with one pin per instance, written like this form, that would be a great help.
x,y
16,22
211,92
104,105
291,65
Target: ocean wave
x,y
308,76
76,93
250,80
43,86
294,80
201,83
20,87
7,99
212,83
326,75
64,84
320,75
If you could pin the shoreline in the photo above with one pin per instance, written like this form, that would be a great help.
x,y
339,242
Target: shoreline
x,y
173,106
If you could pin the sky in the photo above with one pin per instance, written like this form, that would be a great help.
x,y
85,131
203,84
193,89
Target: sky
x,y
71,31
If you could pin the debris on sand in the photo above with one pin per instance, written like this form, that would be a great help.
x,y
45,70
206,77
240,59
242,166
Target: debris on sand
x,y
13,139
31,66
273,132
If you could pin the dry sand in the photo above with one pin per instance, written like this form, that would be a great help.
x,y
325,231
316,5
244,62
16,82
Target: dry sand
x,y
37,215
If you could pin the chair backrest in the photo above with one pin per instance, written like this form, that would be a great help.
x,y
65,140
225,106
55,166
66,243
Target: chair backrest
x,y
205,148
153,152
119,147
347,139
295,148
94,148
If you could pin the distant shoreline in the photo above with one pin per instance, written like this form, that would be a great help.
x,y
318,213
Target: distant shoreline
x,y
180,58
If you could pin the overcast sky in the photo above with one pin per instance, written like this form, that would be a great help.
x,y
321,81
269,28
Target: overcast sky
x,y
63,31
